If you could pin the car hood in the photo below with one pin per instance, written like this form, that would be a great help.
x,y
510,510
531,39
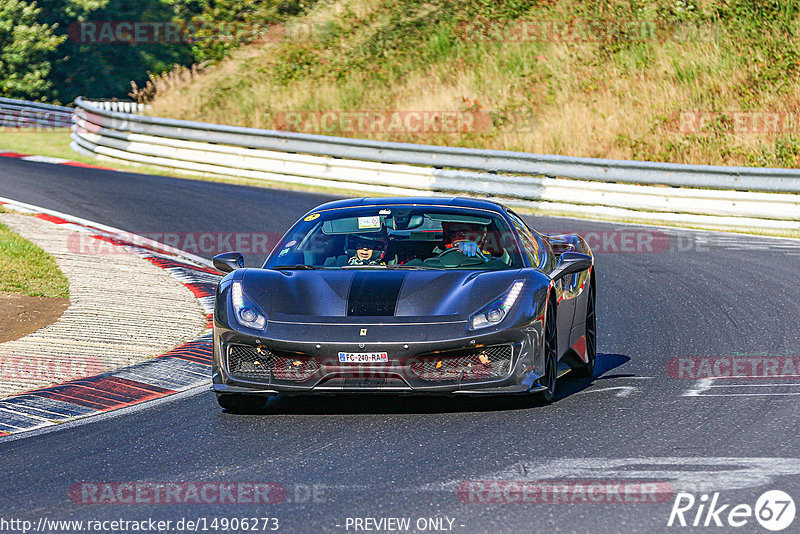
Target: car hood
x,y
451,295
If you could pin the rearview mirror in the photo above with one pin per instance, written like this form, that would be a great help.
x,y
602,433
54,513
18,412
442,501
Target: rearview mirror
x,y
228,261
571,263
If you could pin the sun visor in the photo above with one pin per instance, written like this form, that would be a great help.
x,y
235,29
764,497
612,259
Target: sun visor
x,y
353,225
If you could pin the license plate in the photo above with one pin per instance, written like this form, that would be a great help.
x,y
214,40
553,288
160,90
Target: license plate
x,y
363,357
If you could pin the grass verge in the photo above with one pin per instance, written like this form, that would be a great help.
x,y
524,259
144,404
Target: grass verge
x,y
27,269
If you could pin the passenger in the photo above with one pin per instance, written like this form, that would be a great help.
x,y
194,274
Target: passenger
x,y
367,251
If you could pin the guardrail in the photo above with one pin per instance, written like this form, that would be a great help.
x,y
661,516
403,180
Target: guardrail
x,y
695,194
23,114
123,106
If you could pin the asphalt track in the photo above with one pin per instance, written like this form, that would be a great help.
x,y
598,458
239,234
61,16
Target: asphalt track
x,y
699,294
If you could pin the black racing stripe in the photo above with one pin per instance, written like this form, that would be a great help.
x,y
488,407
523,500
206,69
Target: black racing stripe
x,y
374,293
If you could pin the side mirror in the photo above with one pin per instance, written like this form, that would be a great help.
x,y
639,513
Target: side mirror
x,y
228,261
571,263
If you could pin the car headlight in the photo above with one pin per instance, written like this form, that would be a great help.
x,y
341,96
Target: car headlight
x,y
247,313
496,311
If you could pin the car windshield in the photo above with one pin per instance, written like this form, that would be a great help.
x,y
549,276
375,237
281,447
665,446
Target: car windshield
x,y
399,237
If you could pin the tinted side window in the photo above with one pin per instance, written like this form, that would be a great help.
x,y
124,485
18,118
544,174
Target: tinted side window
x,y
532,246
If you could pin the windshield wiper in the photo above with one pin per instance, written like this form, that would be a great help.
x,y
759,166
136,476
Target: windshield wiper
x,y
297,266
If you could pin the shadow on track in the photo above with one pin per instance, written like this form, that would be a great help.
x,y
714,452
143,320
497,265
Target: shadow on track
x,y
353,404
605,363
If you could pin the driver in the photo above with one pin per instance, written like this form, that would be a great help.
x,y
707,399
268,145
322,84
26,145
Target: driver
x,y
367,251
466,237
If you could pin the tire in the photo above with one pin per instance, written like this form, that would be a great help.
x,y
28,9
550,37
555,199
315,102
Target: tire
x,y
587,370
241,403
550,378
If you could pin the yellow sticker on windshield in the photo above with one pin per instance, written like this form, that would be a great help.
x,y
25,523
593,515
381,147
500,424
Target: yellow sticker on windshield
x,y
312,217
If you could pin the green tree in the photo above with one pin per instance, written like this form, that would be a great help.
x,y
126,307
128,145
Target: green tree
x,y
102,69
47,56
25,46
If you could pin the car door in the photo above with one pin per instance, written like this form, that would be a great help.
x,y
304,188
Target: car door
x,y
543,258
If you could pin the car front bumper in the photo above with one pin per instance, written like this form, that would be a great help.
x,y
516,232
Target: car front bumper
x,y
437,358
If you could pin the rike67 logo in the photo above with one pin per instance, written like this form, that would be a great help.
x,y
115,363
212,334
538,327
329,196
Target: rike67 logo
x,y
774,510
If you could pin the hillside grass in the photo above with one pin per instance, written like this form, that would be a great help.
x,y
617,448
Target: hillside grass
x,y
617,92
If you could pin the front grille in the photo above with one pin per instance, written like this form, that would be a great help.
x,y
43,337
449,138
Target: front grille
x,y
258,363
479,364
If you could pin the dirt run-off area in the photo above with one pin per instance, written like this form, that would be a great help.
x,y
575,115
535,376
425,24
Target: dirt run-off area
x,y
21,315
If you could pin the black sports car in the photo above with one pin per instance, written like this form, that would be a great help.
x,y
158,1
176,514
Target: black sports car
x,y
405,295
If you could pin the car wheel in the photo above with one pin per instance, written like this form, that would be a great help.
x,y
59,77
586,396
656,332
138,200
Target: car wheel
x,y
587,371
550,378
241,403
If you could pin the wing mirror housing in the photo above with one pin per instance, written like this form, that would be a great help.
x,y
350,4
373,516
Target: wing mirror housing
x,y
571,263
228,261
